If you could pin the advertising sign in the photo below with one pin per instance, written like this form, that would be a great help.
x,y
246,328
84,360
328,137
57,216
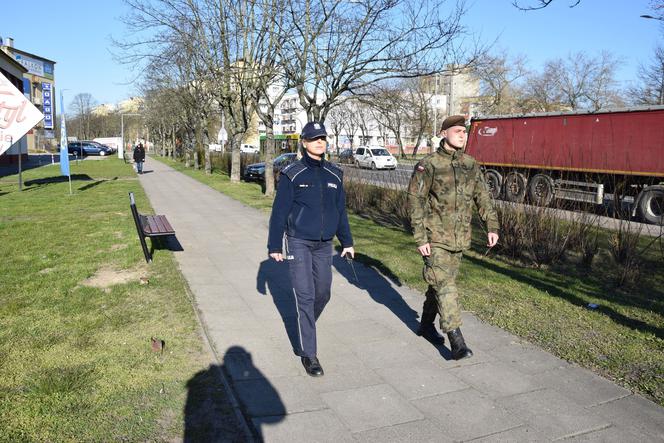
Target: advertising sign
x,y
47,101
17,114
34,66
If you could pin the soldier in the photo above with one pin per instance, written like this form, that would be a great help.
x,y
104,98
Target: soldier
x,y
310,209
441,193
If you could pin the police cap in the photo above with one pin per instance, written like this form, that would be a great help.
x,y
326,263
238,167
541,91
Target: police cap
x,y
313,130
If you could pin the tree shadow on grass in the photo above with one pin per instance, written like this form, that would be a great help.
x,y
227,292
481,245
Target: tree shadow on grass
x,y
95,183
556,291
57,179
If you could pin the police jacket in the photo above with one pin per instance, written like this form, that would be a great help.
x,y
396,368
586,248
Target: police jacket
x,y
442,192
310,204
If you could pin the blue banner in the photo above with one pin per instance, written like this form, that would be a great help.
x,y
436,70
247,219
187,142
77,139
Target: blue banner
x,y
47,105
64,152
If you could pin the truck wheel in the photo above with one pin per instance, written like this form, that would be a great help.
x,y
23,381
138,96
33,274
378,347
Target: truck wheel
x,y
515,187
540,190
651,204
494,181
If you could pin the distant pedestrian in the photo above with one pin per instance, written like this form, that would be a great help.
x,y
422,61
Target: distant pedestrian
x,y
441,193
139,157
308,211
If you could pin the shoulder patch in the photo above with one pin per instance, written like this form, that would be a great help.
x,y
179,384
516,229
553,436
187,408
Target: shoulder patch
x,y
293,169
420,167
334,170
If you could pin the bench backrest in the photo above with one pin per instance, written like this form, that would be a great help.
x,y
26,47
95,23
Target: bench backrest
x,y
134,213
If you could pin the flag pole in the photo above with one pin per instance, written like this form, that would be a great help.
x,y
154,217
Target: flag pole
x,y
20,171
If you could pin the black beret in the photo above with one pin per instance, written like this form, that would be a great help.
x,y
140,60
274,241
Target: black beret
x,y
453,120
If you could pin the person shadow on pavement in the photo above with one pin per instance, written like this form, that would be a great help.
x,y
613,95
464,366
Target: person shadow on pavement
x,y
273,277
365,276
209,414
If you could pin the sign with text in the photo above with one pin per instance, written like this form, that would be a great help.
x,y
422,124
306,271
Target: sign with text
x,y
47,101
17,114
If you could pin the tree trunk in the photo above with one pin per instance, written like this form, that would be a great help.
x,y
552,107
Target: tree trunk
x,y
269,158
235,158
197,164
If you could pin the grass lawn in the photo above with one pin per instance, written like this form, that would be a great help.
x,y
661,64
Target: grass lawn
x,y
623,339
76,361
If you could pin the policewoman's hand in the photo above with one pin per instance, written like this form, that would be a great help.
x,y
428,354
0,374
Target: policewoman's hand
x,y
349,251
277,256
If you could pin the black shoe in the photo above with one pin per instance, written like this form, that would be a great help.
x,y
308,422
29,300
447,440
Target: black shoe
x,y
312,366
458,345
428,331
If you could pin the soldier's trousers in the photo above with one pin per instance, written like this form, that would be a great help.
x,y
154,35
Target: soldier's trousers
x,y
310,269
440,272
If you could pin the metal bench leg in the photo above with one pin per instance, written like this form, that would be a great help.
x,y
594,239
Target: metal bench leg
x,y
146,253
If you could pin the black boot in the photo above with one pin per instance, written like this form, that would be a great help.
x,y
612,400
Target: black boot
x,y
428,331
458,345
312,366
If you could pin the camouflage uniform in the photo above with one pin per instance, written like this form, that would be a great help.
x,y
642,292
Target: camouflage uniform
x,y
441,194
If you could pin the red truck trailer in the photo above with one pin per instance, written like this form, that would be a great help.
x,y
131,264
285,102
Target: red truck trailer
x,y
575,156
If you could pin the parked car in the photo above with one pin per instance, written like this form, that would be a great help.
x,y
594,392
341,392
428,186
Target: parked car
x,y
346,156
249,149
256,171
85,147
374,157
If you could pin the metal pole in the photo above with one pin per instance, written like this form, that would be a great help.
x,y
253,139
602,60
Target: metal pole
x,y
121,151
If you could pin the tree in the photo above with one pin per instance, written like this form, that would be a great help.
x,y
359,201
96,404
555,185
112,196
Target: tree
x,y
650,90
499,76
585,82
339,46
540,4
81,106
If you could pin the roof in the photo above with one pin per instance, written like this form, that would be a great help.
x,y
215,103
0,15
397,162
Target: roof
x,y
13,62
13,49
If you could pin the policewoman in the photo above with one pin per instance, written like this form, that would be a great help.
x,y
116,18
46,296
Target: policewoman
x,y
308,211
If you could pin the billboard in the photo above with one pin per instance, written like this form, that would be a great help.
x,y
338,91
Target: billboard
x,y
35,66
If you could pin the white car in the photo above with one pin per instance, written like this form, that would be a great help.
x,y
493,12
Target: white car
x,y
374,157
248,149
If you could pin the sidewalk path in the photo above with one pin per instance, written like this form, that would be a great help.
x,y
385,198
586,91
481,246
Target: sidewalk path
x,y
382,383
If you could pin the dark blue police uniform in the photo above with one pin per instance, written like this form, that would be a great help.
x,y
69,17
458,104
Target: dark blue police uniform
x,y
310,209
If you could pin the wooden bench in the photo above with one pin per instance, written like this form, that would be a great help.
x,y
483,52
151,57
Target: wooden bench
x,y
149,226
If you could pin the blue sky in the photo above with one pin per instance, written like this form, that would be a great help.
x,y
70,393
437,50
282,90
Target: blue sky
x,y
76,34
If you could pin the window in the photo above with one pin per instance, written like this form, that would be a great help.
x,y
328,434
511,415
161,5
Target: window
x,y
360,151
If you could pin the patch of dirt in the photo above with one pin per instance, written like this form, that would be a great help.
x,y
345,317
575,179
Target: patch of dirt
x,y
46,271
107,277
118,247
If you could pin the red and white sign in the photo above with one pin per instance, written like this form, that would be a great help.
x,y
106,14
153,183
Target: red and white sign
x,y
17,114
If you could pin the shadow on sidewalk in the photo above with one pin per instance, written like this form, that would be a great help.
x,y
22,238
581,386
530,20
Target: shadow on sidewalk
x,y
208,412
273,277
381,291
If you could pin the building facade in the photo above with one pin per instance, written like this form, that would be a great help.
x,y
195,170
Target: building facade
x,y
38,85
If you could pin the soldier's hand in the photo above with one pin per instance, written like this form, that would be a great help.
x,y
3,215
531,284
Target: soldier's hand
x,y
425,249
350,251
493,239
277,256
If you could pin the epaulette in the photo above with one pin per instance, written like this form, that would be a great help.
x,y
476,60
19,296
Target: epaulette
x,y
293,169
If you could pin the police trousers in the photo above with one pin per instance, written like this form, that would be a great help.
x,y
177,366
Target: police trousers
x,y
440,272
310,269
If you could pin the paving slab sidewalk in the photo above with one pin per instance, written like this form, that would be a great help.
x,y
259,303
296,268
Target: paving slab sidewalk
x,y
382,383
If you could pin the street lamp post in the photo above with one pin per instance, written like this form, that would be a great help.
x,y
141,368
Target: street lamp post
x,y
122,145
